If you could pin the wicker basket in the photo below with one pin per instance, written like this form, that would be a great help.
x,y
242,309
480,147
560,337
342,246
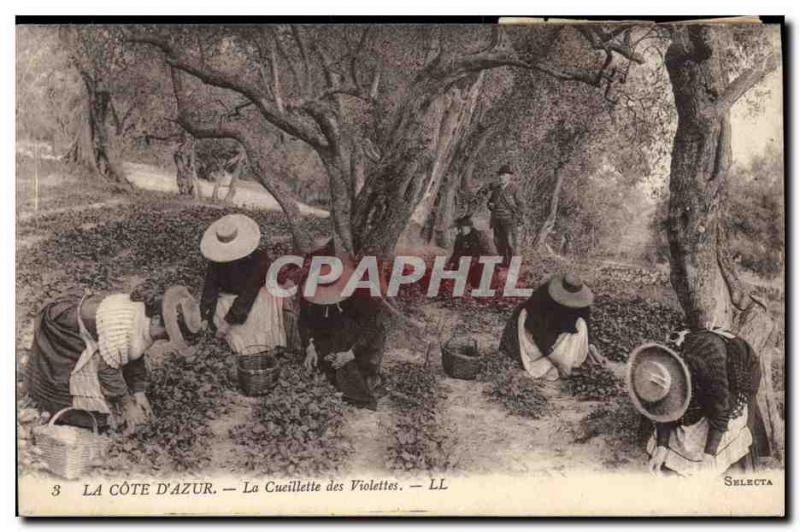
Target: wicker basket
x,y
68,451
461,358
257,373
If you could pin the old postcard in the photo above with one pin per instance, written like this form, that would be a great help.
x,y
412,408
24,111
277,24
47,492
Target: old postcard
x,y
524,268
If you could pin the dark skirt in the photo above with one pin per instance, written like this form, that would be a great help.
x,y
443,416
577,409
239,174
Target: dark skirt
x,y
57,346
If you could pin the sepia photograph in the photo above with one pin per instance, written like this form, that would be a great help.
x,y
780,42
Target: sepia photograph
x,y
287,268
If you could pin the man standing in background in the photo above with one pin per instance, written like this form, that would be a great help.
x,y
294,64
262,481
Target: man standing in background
x,y
504,205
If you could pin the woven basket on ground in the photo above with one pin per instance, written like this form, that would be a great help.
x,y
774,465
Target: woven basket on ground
x,y
257,372
68,451
461,358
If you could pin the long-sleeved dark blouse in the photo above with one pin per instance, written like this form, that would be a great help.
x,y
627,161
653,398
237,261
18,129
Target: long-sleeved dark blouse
x,y
243,278
725,376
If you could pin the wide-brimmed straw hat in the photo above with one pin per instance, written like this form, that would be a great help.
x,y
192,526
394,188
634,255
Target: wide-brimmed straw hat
x,y
230,238
568,290
177,303
333,292
658,382
330,293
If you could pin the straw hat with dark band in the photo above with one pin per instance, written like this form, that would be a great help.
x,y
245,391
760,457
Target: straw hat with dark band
x,y
659,383
568,290
230,238
331,293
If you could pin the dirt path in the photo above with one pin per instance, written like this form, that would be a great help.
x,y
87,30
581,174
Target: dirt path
x,y
369,432
225,453
490,440
248,193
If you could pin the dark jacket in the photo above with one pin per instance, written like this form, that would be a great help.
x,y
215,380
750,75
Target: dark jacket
x,y
355,324
546,320
475,244
57,346
505,203
726,375
243,278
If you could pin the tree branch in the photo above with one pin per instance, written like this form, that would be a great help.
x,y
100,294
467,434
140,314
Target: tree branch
x,y
355,55
606,41
298,80
746,81
301,45
187,121
182,61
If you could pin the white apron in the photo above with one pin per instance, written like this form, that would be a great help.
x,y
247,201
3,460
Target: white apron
x,y
263,329
84,383
570,350
687,445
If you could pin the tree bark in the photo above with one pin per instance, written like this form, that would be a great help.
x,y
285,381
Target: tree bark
x,y
91,147
184,166
256,151
540,240
702,272
457,179
373,220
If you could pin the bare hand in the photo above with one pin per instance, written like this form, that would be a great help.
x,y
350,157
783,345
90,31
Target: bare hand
x,y
338,360
144,403
222,330
132,414
657,460
311,357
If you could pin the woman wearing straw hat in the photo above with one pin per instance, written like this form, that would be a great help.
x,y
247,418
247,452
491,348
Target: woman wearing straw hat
x,y
702,403
549,333
235,300
344,337
88,353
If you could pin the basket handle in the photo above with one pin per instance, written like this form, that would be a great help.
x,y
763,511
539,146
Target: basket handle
x,y
266,347
472,341
60,412
263,348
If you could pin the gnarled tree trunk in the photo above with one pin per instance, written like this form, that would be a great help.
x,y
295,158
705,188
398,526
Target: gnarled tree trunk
x,y
702,271
458,178
540,240
91,147
455,122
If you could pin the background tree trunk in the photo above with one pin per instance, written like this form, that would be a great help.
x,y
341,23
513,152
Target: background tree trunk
x,y
91,147
702,271
184,165
540,240
237,166
455,124
458,178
